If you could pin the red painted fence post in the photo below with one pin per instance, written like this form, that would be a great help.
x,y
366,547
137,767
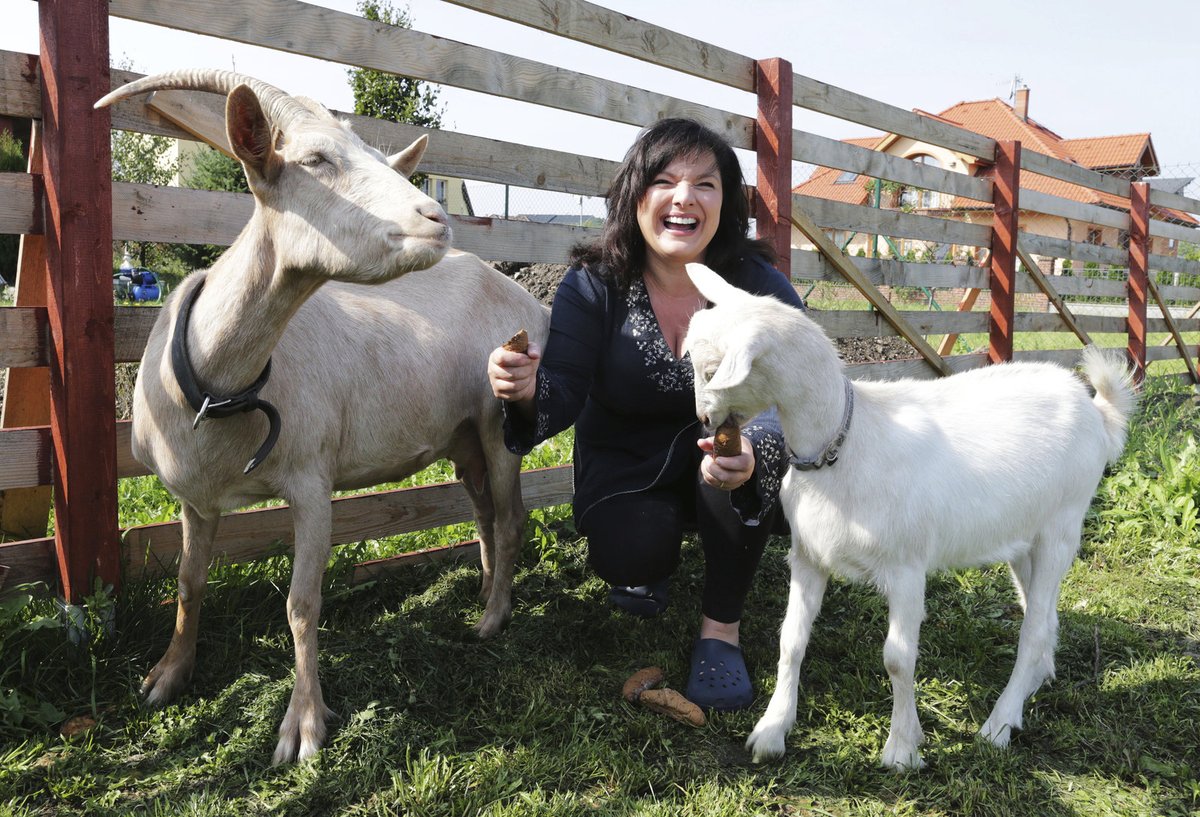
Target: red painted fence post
x,y
773,146
1139,270
1002,273
78,230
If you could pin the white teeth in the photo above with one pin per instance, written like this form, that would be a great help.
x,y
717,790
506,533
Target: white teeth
x,y
683,221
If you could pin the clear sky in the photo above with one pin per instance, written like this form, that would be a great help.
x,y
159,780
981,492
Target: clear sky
x,y
1094,67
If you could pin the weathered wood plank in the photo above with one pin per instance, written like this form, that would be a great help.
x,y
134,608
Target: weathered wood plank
x,y
448,153
914,369
20,85
1178,232
28,562
1077,210
1163,198
834,101
1183,266
1076,251
1045,165
16,205
595,25
811,265
820,150
301,28
857,323
153,549
27,461
24,336
836,215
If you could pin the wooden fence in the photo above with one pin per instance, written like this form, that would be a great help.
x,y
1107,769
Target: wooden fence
x,y
63,336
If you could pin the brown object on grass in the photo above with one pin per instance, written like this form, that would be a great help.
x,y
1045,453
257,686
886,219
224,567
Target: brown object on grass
x,y
641,681
727,442
518,342
672,704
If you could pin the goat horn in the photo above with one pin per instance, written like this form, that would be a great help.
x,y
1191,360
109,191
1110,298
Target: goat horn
x,y
279,106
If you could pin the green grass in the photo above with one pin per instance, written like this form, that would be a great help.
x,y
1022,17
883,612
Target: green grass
x,y
433,722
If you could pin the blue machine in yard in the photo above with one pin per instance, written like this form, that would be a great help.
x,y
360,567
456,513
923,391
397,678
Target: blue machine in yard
x,y
132,283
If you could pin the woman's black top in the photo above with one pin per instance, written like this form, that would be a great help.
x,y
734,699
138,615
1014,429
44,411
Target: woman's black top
x,y
608,369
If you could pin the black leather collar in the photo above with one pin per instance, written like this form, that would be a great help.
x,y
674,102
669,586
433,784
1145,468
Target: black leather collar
x,y
206,404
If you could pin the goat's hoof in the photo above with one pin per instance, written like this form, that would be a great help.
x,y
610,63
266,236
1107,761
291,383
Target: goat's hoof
x,y
163,684
301,735
902,761
492,624
998,733
766,743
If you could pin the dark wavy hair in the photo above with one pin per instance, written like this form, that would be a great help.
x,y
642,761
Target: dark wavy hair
x,y
619,254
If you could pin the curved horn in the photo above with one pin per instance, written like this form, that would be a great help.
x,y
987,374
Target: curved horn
x,y
279,106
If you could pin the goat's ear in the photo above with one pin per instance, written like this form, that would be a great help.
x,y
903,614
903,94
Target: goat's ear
x,y
711,285
406,161
735,367
249,133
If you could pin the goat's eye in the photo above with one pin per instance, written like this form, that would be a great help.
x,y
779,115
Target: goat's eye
x,y
313,160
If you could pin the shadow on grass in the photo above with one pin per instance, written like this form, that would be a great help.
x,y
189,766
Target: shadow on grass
x,y
432,721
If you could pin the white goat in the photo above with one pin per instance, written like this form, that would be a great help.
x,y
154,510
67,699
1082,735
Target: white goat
x,y
372,383
996,464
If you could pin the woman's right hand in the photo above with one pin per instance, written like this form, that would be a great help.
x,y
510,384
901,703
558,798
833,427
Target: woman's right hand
x,y
513,375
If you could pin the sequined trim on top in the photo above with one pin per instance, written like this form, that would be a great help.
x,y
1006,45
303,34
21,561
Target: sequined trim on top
x,y
669,373
542,421
770,456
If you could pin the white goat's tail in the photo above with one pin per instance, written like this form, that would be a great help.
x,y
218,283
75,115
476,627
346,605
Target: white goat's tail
x,y
1116,396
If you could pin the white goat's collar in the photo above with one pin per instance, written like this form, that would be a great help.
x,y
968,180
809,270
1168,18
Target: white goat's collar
x,y
829,454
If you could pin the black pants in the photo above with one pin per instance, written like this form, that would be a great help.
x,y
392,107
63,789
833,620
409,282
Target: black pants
x,y
635,539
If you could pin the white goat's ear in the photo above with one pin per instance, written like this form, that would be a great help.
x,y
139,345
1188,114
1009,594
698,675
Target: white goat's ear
x,y
249,133
711,285
406,161
735,367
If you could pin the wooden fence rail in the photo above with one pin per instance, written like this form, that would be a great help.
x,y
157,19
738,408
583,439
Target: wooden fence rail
x,y
65,327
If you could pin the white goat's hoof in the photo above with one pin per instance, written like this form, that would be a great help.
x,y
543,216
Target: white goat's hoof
x,y
767,742
902,758
997,732
301,734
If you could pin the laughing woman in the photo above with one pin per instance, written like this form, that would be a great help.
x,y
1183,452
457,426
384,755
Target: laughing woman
x,y
644,469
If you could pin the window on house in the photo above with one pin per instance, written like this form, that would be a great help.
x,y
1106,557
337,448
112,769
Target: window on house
x,y
1095,236
846,177
915,197
440,196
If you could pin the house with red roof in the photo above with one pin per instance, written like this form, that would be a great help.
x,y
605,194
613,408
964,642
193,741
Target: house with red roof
x,y
1130,156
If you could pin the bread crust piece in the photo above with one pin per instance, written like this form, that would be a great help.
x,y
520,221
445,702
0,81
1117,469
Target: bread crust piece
x,y
518,342
671,703
727,441
641,681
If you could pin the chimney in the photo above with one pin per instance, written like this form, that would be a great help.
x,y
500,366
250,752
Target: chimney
x,y
1022,103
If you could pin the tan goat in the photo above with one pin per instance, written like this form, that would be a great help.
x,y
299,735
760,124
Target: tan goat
x,y
370,383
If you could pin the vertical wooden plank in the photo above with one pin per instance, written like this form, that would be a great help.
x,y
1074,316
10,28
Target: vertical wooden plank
x,y
78,229
1002,273
773,146
24,512
1139,265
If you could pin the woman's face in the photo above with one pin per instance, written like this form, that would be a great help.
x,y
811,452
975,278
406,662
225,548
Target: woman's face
x,y
681,209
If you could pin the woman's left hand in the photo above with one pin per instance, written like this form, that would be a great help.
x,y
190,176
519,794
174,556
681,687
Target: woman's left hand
x,y
726,473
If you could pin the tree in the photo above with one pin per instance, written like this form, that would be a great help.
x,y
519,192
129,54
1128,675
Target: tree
x,y
211,170
388,96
